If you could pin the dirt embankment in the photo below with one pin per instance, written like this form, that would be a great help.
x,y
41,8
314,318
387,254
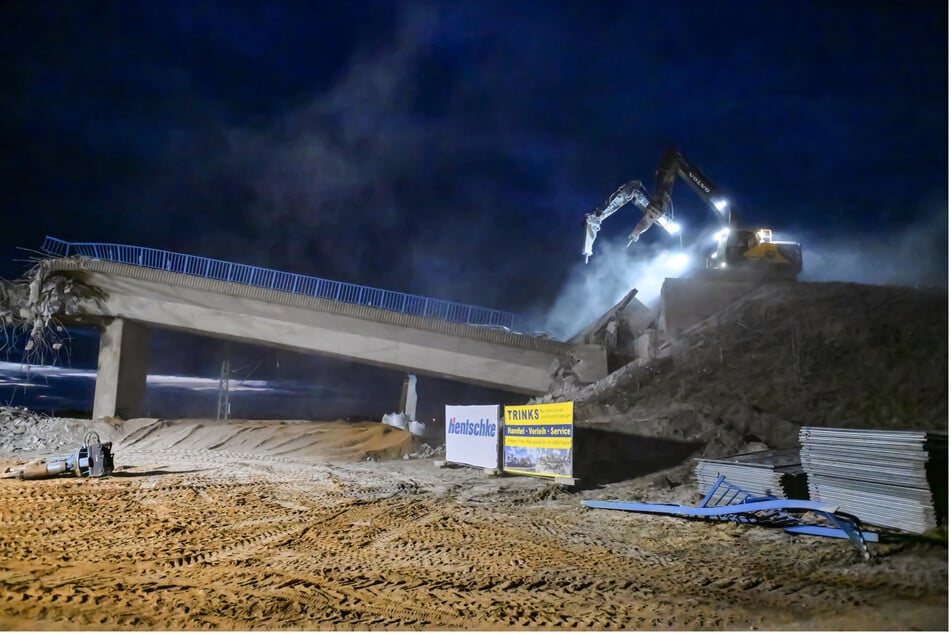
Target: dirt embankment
x,y
787,355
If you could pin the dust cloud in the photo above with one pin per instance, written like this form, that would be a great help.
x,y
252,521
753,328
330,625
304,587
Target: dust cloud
x,y
360,181
916,255
323,179
612,272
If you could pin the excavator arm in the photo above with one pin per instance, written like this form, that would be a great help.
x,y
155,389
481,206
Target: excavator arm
x,y
632,190
672,165
754,250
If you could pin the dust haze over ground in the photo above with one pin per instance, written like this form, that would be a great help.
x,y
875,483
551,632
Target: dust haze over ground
x,y
917,255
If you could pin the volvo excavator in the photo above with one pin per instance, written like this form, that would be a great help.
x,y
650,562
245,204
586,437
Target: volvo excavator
x,y
740,253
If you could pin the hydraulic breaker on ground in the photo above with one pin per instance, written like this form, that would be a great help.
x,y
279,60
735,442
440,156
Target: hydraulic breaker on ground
x,y
92,460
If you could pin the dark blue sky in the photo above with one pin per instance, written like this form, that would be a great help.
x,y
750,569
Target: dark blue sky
x,y
453,148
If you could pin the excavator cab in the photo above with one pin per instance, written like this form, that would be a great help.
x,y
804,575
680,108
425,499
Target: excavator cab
x,y
753,251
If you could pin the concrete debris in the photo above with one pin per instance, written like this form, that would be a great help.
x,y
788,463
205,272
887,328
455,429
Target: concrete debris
x,y
395,420
33,304
583,365
424,451
402,421
24,433
618,330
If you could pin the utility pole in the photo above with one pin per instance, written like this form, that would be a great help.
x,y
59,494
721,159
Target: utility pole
x,y
224,380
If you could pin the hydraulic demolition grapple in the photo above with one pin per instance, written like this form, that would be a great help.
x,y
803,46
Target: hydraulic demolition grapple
x,y
92,460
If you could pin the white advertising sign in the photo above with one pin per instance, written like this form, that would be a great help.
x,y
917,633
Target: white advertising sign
x,y
472,435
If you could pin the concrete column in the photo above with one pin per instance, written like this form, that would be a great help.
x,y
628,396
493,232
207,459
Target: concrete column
x,y
408,397
121,373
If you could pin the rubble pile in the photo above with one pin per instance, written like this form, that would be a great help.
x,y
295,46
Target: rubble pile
x,y
425,451
24,433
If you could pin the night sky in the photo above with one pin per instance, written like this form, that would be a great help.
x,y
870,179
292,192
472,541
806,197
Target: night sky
x,y
451,149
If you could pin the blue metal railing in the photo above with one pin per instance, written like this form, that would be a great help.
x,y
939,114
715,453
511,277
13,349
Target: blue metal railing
x,y
288,282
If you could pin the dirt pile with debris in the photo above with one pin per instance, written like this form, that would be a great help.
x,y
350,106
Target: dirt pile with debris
x,y
786,355
29,434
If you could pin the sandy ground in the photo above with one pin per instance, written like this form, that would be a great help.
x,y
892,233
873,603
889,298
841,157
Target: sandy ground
x,y
288,526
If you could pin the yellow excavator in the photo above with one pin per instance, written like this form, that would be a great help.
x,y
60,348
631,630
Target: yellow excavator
x,y
740,253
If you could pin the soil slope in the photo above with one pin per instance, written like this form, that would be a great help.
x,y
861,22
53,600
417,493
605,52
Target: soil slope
x,y
784,356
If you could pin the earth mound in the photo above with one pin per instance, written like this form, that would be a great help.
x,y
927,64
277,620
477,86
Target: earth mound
x,y
783,356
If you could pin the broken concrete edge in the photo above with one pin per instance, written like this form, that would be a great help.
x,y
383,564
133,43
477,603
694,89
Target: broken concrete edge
x,y
35,303
586,334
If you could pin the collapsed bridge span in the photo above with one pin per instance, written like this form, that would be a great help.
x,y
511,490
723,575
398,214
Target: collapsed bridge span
x,y
134,298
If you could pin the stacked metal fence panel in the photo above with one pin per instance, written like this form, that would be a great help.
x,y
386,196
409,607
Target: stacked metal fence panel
x,y
290,283
892,479
775,473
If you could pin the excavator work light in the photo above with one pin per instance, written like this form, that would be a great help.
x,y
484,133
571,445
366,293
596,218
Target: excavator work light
x,y
720,204
668,224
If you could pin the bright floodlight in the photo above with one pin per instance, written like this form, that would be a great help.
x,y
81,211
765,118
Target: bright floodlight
x,y
721,234
720,204
668,224
681,260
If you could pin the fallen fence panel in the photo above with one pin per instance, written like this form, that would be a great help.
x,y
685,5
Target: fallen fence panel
x,y
727,502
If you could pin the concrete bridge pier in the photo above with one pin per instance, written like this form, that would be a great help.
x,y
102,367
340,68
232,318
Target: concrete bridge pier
x,y
122,369
408,397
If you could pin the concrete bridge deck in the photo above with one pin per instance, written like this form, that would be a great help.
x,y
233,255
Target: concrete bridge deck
x,y
139,297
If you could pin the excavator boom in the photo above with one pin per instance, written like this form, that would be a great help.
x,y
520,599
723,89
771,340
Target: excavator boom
x,y
673,164
632,190
736,248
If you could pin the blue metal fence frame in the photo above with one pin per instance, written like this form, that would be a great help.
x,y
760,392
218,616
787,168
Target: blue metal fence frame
x,y
288,282
746,508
